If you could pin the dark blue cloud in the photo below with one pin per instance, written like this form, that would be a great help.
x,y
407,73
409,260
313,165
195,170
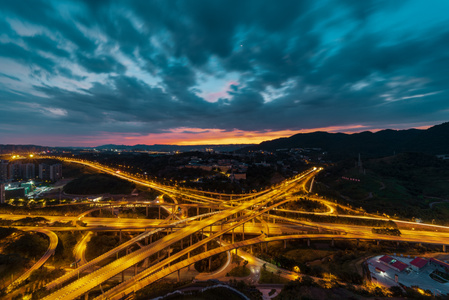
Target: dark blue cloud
x,y
151,66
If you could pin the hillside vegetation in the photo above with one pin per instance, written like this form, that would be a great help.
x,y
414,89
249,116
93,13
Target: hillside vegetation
x,y
405,185
91,184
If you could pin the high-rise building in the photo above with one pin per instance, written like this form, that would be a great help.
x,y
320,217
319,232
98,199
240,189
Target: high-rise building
x,y
28,171
2,192
44,171
55,172
3,170
50,172
15,170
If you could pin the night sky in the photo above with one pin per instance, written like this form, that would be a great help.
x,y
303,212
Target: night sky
x,y
76,73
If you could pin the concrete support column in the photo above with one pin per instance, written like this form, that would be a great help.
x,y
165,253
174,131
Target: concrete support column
x,y
188,256
191,237
444,248
120,236
308,242
205,247
285,244
243,229
197,210
147,212
332,243
210,262
178,275
377,242
266,247
159,212
358,242
151,239
397,244
182,244
146,240
135,269
232,235
168,251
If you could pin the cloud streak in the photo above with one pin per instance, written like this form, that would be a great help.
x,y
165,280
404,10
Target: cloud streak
x,y
230,71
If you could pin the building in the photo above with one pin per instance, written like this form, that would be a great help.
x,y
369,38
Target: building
x,y
50,172
398,265
2,193
28,171
393,263
441,265
18,192
44,171
15,170
418,263
3,170
55,172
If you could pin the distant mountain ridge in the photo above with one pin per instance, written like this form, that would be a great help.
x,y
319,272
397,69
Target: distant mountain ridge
x,y
434,140
171,148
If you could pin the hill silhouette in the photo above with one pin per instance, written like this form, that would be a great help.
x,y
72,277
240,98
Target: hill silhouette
x,y
434,140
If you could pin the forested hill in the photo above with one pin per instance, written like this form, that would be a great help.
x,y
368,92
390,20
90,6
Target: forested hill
x,y
434,140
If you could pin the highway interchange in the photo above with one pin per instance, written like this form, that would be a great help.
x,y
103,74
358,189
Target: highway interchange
x,y
228,214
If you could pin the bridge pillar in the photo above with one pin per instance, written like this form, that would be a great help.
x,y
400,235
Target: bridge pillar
x,y
332,243
188,256
377,242
266,247
444,248
191,237
147,212
358,242
197,210
159,211
205,247
397,244
308,242
285,244
86,296
232,235
210,262
182,244
202,234
120,236
178,276
251,249
254,221
168,251
243,229
135,269
146,240
274,220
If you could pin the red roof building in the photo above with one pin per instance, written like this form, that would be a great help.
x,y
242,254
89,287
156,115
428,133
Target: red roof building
x,y
440,263
386,259
398,266
418,263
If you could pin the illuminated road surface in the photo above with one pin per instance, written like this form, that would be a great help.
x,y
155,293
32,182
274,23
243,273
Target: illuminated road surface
x,y
84,284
